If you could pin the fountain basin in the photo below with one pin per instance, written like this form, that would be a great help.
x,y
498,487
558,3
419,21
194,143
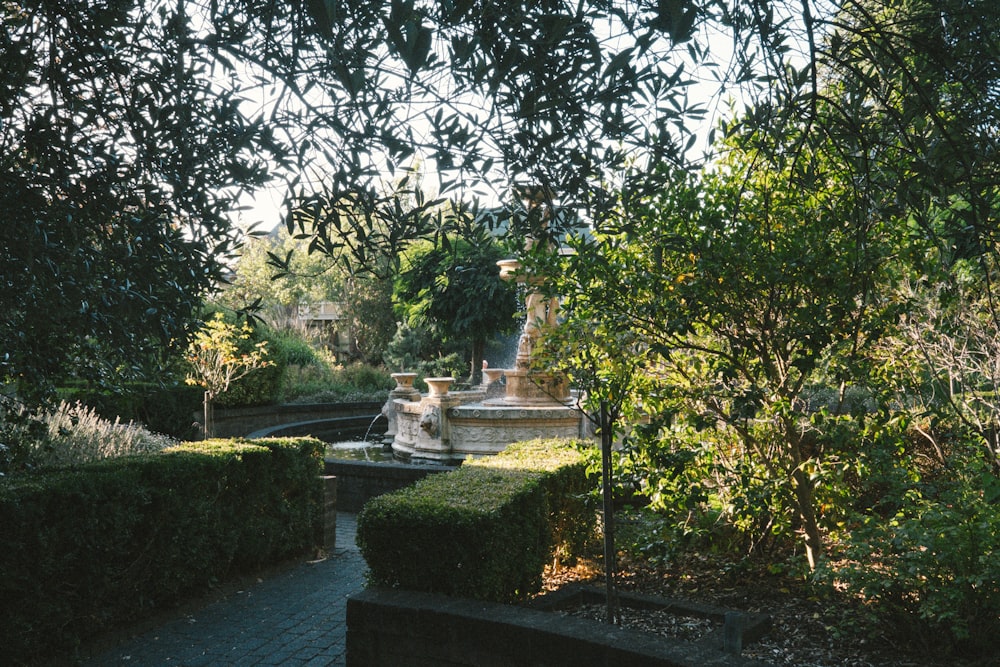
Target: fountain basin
x,y
479,429
359,481
445,429
332,429
358,450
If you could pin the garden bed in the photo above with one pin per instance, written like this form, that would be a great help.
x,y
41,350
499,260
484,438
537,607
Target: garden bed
x,y
714,627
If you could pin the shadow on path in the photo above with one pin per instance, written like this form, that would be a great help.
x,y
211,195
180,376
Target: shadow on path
x,y
294,617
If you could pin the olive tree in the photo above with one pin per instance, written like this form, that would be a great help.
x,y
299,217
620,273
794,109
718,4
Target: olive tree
x,y
130,130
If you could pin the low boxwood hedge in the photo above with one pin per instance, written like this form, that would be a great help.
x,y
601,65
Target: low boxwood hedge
x,y
89,548
483,531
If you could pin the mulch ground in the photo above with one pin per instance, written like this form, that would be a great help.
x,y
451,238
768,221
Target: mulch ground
x,y
806,630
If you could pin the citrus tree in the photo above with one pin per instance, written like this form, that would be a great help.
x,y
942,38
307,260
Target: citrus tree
x,y
774,270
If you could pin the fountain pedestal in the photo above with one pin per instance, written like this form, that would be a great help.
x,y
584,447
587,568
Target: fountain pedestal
x,y
531,388
404,391
423,432
445,427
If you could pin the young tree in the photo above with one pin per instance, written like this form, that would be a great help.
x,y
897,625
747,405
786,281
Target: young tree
x,y
715,287
217,360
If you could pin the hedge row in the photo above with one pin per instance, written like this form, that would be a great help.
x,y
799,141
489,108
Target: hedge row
x,y
484,531
89,548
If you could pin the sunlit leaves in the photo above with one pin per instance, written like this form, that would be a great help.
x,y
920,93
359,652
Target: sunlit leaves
x,y
218,358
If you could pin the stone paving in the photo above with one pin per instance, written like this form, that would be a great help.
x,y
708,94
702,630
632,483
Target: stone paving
x,y
297,617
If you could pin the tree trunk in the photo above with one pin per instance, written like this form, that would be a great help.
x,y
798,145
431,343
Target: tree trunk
x,y
476,365
805,501
209,417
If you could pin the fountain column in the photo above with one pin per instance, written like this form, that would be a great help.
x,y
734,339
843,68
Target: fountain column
x,y
524,385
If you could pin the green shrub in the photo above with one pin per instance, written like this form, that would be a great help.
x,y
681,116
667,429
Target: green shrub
x,y
323,383
168,410
932,567
363,378
296,349
483,531
564,465
89,548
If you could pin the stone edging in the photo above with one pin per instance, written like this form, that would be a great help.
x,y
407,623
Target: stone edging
x,y
406,629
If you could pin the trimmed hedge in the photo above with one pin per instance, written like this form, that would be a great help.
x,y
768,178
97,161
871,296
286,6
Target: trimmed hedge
x,y
484,531
89,548
572,519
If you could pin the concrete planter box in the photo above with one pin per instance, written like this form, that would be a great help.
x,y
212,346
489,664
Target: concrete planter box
x,y
406,629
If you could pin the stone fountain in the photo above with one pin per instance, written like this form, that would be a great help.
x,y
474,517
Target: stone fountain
x,y
445,427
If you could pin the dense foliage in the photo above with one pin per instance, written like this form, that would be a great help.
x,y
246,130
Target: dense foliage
x,y
788,320
793,328
146,532
452,292
121,156
484,531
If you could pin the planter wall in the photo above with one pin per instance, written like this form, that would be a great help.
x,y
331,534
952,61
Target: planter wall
x,y
395,628
241,422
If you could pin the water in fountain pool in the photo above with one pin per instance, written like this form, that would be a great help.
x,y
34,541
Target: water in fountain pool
x,y
358,450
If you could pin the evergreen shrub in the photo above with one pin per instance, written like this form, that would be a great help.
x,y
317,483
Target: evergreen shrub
x,y
484,531
932,567
92,547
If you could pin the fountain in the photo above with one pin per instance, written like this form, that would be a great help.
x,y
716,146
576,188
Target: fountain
x,y
445,427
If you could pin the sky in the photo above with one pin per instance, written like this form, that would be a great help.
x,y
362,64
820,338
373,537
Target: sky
x,y
265,207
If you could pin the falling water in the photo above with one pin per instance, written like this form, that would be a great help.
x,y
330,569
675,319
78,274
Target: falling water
x,y
356,448
370,426
503,351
